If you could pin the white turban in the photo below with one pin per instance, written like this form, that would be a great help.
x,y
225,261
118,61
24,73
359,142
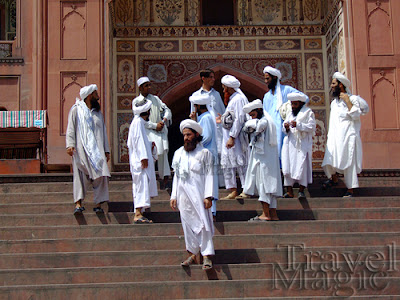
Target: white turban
x,y
273,72
202,99
252,106
343,79
142,80
297,97
87,90
141,107
230,81
188,123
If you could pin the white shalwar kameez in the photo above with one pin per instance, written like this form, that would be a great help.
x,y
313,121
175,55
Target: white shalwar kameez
x,y
296,154
158,111
193,182
263,176
343,153
84,171
144,185
235,158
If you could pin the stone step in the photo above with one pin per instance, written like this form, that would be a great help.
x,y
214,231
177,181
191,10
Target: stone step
x,y
273,253
163,205
20,277
221,228
204,289
233,241
91,218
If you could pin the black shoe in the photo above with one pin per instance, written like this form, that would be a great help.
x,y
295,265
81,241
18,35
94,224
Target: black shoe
x,y
78,211
98,210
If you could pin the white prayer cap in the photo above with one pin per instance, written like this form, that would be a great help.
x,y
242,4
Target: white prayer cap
x,y
142,80
202,99
141,106
252,106
273,71
343,79
297,97
230,81
188,123
87,90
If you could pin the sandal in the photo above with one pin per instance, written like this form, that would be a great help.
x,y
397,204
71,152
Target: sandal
x,y
329,183
286,195
188,261
78,211
348,195
98,210
301,196
257,219
142,220
207,264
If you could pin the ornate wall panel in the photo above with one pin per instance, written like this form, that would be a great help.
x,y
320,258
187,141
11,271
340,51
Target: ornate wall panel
x,y
125,46
314,71
222,45
169,12
385,107
284,44
71,83
125,102
380,34
73,30
123,122
312,10
312,44
188,46
250,45
158,46
316,99
125,73
319,139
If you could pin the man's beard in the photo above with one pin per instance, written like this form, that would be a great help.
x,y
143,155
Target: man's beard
x,y
260,113
336,92
273,83
296,111
226,98
95,104
190,145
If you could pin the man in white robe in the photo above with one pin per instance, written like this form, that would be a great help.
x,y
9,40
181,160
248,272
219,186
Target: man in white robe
x,y
275,98
234,153
192,193
263,176
144,185
202,115
157,131
343,152
296,157
87,143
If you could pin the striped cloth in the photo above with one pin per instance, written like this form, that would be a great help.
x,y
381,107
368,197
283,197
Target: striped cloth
x,y
23,118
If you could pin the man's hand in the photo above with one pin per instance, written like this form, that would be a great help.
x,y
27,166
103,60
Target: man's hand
x,y
218,119
172,203
230,143
293,124
152,146
160,126
108,156
70,151
287,126
345,97
193,116
207,203
145,163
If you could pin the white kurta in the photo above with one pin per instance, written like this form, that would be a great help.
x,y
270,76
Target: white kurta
x,y
237,156
216,107
343,148
158,111
190,187
296,154
82,169
263,176
144,183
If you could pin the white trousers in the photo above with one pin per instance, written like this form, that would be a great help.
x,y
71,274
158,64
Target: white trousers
x,y
350,174
230,177
268,198
140,190
289,181
81,182
196,243
163,165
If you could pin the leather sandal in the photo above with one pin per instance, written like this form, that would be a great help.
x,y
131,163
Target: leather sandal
x,y
188,261
207,264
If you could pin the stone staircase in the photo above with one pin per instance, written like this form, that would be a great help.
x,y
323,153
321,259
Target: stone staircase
x,y
326,247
